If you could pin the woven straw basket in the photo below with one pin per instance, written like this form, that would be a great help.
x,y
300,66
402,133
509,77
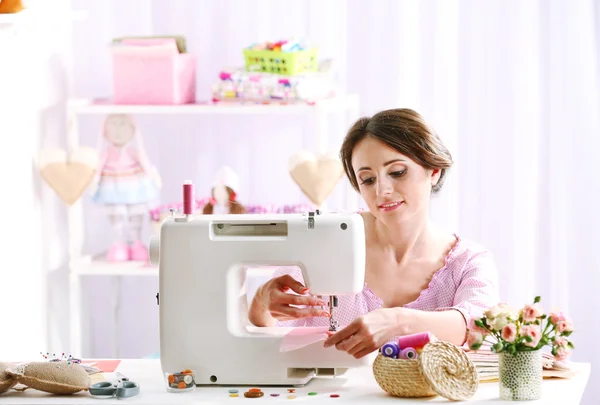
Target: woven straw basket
x,y
441,369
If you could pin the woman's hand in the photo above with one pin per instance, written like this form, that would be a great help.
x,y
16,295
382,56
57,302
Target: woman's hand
x,y
367,333
274,298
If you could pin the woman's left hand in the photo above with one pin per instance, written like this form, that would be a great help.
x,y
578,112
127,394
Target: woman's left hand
x,y
367,333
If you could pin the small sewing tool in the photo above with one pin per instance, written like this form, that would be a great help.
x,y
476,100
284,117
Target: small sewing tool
x,y
122,390
333,324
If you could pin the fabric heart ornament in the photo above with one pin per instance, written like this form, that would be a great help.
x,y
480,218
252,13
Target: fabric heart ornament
x,y
67,175
316,176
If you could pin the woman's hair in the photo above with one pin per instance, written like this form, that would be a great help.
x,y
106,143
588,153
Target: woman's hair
x,y
405,131
234,206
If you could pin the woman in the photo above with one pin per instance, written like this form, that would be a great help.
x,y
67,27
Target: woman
x,y
418,277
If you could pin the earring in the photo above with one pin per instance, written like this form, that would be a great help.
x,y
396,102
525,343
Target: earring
x,y
232,196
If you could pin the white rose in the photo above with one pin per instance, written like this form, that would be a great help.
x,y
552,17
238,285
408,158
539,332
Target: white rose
x,y
499,323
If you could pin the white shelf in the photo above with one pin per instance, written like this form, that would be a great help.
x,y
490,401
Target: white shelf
x,y
13,18
47,12
97,266
90,106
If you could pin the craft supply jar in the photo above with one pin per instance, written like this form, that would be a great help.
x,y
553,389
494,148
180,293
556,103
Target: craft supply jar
x,y
180,381
440,369
520,375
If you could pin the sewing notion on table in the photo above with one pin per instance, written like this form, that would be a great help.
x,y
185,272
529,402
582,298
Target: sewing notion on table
x,y
202,263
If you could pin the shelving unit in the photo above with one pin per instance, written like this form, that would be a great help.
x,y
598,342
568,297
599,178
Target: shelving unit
x,y
84,266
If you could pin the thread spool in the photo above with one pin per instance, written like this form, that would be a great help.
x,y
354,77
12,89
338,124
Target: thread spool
x,y
390,349
188,197
416,341
408,353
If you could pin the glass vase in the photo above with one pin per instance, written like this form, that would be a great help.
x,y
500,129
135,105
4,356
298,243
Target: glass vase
x,y
520,375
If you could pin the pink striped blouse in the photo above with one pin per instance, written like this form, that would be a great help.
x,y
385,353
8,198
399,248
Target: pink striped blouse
x,y
467,283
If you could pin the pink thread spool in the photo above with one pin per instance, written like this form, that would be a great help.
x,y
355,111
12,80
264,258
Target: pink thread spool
x,y
408,353
415,341
188,197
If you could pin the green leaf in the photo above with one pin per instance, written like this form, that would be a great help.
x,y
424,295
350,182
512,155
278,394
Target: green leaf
x,y
571,345
537,299
512,349
554,351
568,333
498,346
529,338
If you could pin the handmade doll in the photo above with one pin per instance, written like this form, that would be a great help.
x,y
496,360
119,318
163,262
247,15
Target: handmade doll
x,y
126,184
224,197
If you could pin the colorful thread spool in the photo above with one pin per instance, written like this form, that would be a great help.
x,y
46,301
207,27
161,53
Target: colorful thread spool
x,y
390,349
415,341
188,197
408,353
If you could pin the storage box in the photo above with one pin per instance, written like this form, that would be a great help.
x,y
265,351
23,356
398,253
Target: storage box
x,y
152,71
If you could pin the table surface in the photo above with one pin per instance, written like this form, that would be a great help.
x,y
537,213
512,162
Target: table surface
x,y
357,386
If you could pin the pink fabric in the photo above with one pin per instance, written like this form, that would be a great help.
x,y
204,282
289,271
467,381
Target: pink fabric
x,y
300,337
467,283
150,71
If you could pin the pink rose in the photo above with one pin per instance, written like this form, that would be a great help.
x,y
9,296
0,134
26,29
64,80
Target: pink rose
x,y
532,331
555,317
560,341
562,353
509,332
564,325
474,338
532,312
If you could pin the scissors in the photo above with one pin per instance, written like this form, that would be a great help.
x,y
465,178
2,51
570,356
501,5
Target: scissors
x,y
122,390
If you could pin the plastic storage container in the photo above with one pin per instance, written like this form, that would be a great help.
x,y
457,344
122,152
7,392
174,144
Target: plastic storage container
x,y
180,381
283,63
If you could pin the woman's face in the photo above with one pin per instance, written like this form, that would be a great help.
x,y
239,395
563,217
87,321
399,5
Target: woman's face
x,y
119,130
394,187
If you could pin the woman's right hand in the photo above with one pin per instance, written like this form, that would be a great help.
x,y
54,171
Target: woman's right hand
x,y
274,297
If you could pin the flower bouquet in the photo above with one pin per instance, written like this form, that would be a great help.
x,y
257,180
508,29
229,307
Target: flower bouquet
x,y
518,337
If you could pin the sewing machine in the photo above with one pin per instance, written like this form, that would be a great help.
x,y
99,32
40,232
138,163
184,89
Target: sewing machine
x,y
202,263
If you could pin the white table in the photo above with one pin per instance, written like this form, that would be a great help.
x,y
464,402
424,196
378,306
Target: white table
x,y
358,386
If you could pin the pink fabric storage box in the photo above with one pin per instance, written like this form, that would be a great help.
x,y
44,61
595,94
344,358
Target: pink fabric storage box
x,y
152,71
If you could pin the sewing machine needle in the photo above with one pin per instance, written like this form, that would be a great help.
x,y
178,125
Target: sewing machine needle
x,y
333,324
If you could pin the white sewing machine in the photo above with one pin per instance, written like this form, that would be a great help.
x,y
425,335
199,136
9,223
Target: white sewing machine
x,y
202,265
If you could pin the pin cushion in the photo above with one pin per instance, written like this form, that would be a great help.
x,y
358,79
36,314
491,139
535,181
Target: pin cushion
x,y
441,369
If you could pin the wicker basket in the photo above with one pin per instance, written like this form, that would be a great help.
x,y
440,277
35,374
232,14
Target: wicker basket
x,y
441,369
